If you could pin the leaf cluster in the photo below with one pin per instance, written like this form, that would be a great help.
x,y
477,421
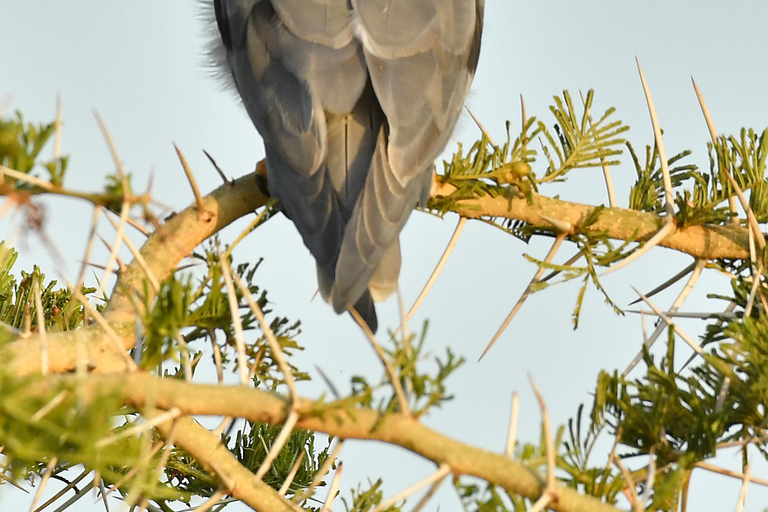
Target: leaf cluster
x,y
425,386
18,307
197,307
20,147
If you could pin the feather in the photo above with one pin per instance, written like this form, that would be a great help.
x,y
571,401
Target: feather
x,y
354,100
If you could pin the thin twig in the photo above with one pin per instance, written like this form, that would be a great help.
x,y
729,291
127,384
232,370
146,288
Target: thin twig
x,y
40,325
606,170
149,424
696,348
550,492
528,290
27,332
46,476
609,463
670,200
217,361
650,481
291,475
744,485
192,182
88,248
320,473
542,502
278,444
722,394
333,489
210,502
753,290
43,186
435,273
437,476
79,494
733,474
631,485
753,224
428,496
713,136
109,270
62,492
513,416
684,314
549,442
406,339
185,361
269,334
669,282
700,264
396,385
126,203
163,461
137,256
218,169
234,309
252,226
573,259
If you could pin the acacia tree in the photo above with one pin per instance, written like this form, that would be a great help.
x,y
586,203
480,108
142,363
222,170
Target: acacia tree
x,y
110,390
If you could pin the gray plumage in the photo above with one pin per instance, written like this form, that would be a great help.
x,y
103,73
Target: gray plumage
x,y
354,100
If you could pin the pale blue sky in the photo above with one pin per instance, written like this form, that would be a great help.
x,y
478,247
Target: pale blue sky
x,y
141,65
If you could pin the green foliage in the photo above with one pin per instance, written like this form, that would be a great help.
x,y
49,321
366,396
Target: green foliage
x,y
425,389
485,497
700,197
366,500
250,446
198,309
601,481
665,419
509,170
17,301
39,422
647,194
20,147
580,141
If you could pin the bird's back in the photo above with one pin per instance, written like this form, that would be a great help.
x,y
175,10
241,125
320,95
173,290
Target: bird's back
x,y
354,100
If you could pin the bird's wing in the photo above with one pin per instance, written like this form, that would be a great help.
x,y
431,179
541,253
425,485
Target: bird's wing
x,y
303,80
421,56
354,102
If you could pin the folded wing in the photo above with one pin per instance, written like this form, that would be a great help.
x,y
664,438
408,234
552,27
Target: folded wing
x,y
354,101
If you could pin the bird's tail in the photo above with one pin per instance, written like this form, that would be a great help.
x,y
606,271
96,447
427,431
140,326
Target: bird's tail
x,y
364,305
382,285
366,309
384,280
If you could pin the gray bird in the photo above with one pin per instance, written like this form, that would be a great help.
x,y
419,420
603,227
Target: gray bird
x,y
354,99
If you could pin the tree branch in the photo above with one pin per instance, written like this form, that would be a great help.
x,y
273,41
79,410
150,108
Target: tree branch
x,y
178,237
163,251
140,390
700,241
206,447
180,234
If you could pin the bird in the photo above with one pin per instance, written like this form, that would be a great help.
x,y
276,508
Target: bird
x,y
354,101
